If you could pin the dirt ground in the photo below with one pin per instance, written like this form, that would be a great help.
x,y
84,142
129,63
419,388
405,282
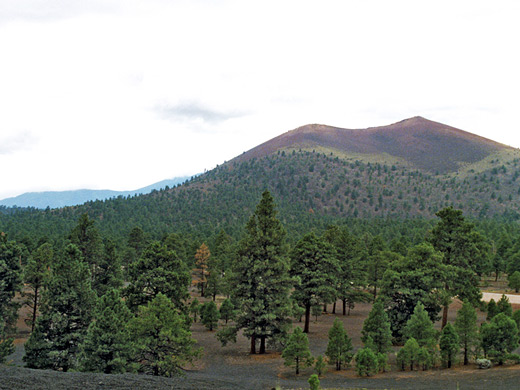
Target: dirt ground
x,y
231,367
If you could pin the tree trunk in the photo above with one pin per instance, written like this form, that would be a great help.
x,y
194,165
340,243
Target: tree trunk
x,y
466,360
324,307
253,345
262,345
35,308
344,306
334,308
496,275
375,293
307,318
297,365
444,316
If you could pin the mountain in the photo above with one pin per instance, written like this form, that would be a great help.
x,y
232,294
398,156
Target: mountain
x,y
317,175
55,199
418,142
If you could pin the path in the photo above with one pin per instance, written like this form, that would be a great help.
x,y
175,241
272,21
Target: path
x,y
486,297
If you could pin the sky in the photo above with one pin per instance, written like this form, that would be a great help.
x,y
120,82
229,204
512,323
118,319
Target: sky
x,y
119,94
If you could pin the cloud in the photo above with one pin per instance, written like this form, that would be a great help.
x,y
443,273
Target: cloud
x,y
193,111
13,143
52,10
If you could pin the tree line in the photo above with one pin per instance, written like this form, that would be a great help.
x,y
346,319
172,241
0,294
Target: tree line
x,y
97,308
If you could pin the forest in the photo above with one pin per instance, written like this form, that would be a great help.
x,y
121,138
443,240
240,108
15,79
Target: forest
x,y
100,303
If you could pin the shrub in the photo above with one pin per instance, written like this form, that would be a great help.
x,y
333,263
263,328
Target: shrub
x,y
314,382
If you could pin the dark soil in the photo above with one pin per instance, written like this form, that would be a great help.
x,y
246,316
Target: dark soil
x,y
231,367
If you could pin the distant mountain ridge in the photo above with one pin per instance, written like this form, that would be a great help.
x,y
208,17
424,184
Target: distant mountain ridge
x,y
56,199
419,142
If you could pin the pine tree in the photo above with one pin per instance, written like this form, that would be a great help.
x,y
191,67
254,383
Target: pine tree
x,y
109,273
66,312
314,264
503,306
419,277
159,270
465,252
467,330
162,337
195,308
227,310
297,351
35,275
449,345
87,239
366,362
10,284
492,309
107,346
209,315
201,261
420,327
319,365
514,281
377,327
261,278
339,347
499,337
408,354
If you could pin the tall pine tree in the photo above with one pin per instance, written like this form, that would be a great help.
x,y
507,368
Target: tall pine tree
x,y
314,264
261,277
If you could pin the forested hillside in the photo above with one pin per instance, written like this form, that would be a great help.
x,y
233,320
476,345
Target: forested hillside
x,y
319,175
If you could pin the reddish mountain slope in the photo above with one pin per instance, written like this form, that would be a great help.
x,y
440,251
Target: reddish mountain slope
x,y
427,145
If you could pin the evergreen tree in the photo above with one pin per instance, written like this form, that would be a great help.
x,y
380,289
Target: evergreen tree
x,y
107,346
10,284
465,252
66,312
297,351
351,275
339,347
313,263
492,309
137,241
377,327
261,277
163,339
466,327
503,306
35,275
227,310
366,362
320,365
408,354
195,308
159,270
499,337
110,274
419,277
201,262
420,327
449,345
514,281
209,315
87,239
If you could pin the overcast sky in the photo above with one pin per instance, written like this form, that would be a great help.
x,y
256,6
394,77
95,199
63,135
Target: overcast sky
x,y
119,94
